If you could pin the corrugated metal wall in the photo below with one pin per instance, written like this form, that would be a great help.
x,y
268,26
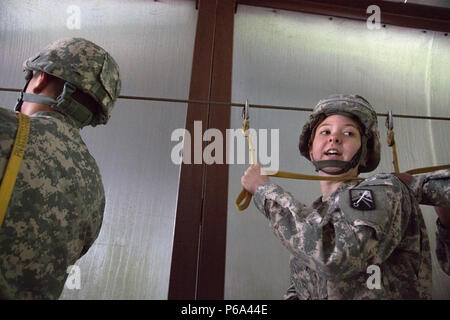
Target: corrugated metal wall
x,y
294,59
153,44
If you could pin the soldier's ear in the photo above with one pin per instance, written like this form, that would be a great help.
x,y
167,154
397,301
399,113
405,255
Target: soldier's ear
x,y
310,145
39,82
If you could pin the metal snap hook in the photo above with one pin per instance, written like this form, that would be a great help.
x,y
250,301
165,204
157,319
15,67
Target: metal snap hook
x,y
245,119
245,115
390,121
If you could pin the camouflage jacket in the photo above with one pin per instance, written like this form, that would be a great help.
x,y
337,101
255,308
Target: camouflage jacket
x,y
56,208
434,189
335,243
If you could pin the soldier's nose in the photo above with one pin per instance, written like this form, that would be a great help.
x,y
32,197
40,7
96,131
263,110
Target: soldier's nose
x,y
334,139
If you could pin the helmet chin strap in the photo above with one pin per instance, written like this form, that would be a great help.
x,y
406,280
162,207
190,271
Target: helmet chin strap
x,y
28,76
344,165
38,98
64,104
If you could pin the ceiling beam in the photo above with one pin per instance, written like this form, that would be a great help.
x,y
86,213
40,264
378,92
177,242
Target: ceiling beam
x,y
409,15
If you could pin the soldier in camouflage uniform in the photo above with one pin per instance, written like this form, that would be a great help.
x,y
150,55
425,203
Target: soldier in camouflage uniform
x,y
56,208
353,225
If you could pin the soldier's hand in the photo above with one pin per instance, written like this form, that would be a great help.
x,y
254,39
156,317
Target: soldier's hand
x,y
252,178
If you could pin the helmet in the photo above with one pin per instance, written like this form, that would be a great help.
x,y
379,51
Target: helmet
x,y
84,66
357,108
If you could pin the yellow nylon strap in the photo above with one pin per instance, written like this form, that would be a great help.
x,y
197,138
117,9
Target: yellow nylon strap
x,y
289,175
391,143
428,169
247,196
13,166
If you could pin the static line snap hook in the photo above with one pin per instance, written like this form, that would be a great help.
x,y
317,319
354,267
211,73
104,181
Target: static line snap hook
x,y
390,121
245,114
245,118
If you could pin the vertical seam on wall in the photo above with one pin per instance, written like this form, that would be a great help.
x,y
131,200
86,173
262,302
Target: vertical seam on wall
x,y
204,166
427,89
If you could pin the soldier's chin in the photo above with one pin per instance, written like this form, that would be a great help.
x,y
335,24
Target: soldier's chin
x,y
332,170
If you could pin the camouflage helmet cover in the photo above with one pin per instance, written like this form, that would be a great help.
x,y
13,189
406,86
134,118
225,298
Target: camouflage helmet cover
x,y
353,106
85,65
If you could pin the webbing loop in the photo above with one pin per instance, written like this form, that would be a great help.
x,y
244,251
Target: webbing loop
x,y
390,139
245,195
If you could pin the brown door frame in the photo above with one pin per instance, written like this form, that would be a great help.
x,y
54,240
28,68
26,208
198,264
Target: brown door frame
x,y
198,257
409,14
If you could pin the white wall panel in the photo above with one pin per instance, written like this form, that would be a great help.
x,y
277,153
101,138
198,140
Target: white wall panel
x,y
131,257
153,44
151,41
295,59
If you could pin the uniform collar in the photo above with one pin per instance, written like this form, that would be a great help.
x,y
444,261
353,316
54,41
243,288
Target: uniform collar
x,y
54,114
344,186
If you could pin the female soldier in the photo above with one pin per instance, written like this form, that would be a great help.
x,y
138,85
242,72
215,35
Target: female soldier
x,y
354,227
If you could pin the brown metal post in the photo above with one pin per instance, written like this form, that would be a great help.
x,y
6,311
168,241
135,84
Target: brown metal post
x,y
183,273
211,276
198,257
411,15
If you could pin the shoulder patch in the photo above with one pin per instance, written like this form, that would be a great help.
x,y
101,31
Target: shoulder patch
x,y
362,199
367,205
